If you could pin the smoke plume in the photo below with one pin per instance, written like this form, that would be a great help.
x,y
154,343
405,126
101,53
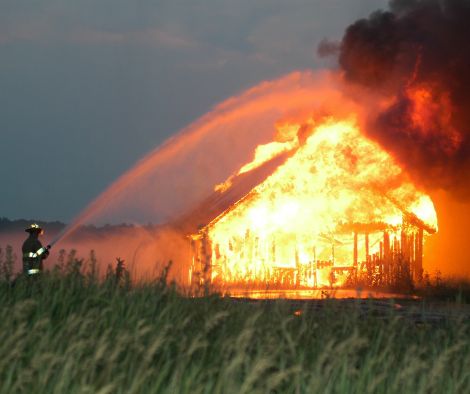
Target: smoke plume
x,y
416,57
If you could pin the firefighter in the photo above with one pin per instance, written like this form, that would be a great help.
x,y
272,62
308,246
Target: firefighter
x,y
33,251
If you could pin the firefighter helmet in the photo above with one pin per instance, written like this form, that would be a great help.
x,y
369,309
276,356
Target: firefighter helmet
x,y
33,228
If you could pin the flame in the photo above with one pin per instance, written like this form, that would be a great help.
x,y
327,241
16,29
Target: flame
x,y
263,153
303,217
431,113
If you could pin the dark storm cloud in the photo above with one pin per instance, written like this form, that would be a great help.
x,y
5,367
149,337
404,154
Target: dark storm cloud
x,y
418,54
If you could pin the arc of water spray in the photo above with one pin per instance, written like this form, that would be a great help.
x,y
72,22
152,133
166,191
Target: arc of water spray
x,y
233,108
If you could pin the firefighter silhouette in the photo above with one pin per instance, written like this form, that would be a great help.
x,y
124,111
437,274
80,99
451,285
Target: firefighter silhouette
x,y
33,251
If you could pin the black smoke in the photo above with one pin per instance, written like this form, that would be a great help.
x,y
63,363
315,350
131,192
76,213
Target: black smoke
x,y
416,57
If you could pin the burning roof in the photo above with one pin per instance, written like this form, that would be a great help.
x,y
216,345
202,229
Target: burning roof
x,y
336,176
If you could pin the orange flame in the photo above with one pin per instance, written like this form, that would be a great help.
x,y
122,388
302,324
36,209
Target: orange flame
x,y
304,216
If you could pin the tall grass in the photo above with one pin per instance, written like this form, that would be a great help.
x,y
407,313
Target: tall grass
x,y
71,333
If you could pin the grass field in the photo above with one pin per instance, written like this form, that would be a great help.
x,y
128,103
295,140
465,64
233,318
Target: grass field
x,y
67,333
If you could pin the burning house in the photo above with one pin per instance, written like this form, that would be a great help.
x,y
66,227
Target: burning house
x,y
320,206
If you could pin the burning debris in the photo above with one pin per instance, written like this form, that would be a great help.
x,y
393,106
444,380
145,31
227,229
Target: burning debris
x,y
337,209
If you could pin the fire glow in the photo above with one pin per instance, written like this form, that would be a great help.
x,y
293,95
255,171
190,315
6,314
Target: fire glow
x,y
338,207
331,196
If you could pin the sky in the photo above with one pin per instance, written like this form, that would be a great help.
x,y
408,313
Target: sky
x,y
89,87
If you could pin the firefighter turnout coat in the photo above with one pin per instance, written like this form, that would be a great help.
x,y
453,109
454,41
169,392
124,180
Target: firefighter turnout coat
x,y
33,255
